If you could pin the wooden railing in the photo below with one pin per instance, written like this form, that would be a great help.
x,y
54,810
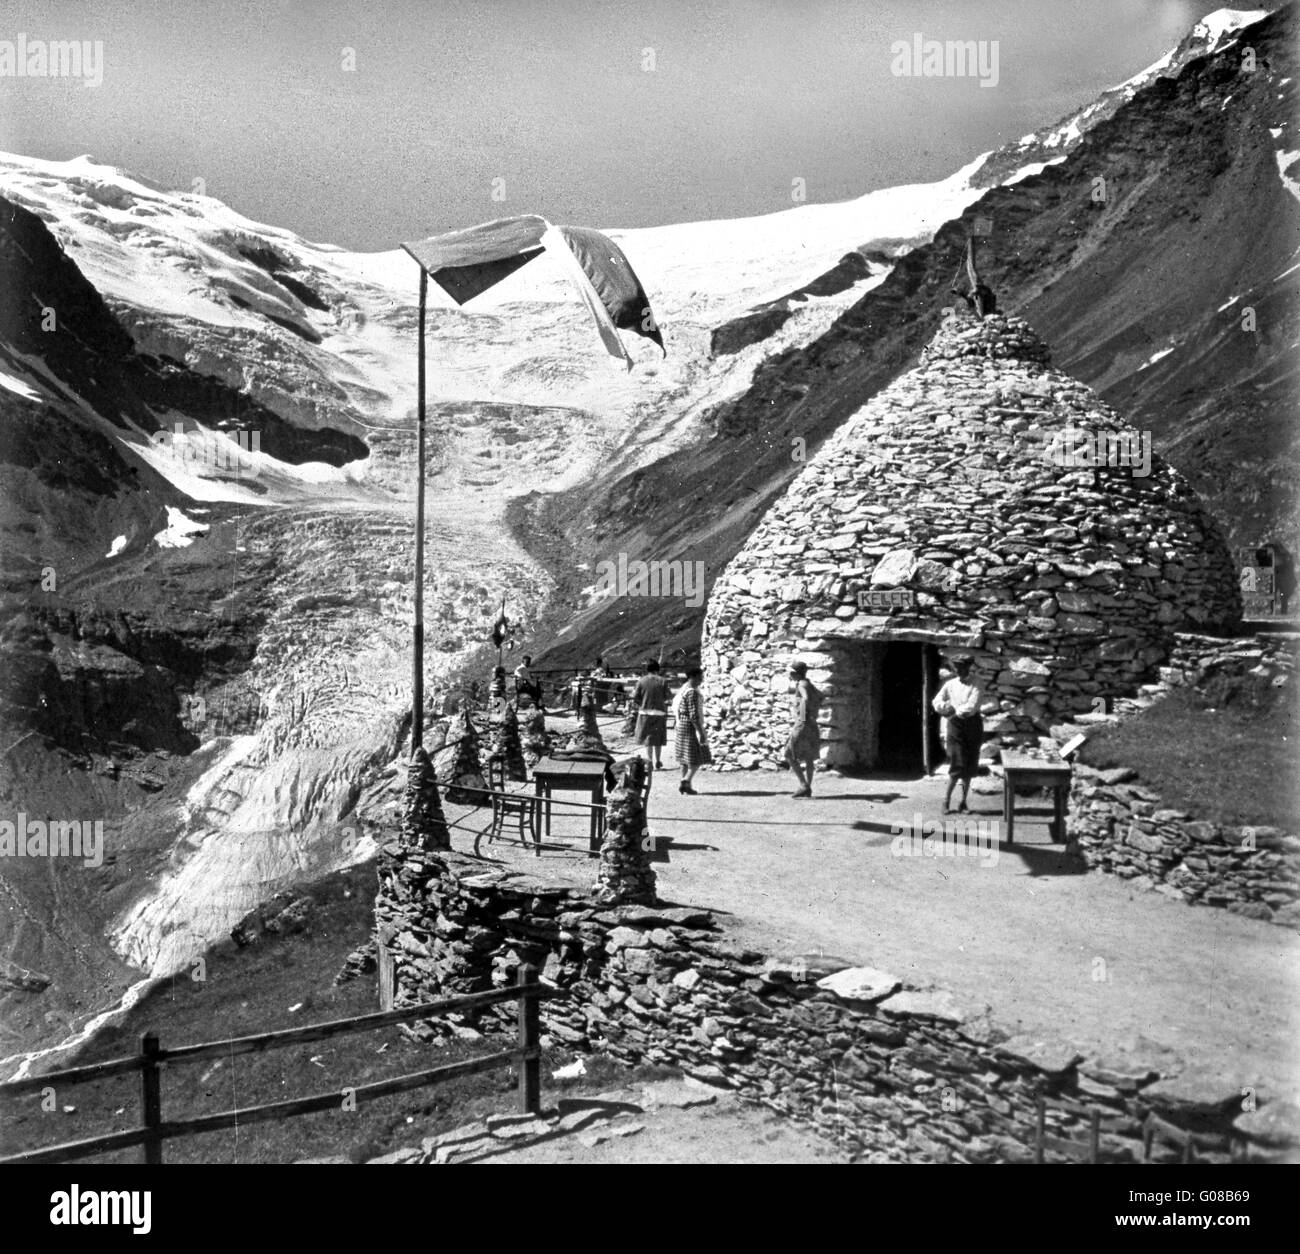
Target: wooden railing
x,y
154,1129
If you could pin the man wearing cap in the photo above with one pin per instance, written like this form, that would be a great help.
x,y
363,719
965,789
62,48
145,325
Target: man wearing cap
x,y
959,702
804,746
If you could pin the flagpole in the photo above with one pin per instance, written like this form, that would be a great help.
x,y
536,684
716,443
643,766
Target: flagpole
x,y
417,652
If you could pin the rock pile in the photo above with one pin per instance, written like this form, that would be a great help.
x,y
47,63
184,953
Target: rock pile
x,y
1197,659
458,765
508,747
423,824
283,914
625,874
536,739
954,490
587,712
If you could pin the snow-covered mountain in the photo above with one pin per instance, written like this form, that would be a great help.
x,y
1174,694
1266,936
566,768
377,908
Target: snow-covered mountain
x,y
1212,33
222,666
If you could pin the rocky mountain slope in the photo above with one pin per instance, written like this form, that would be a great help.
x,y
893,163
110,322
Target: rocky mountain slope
x,y
1135,256
206,646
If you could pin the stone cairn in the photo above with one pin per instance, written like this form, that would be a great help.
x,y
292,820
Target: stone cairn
x,y
590,727
459,768
508,747
586,738
626,876
423,826
536,739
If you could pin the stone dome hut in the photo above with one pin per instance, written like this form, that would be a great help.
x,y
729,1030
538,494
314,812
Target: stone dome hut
x,y
951,514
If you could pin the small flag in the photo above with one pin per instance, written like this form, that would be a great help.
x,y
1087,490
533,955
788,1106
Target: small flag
x,y
499,630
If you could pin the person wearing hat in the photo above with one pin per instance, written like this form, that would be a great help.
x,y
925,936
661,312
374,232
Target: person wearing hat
x,y
804,746
959,702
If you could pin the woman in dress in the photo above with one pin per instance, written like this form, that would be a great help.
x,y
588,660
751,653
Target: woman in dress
x,y
651,702
692,744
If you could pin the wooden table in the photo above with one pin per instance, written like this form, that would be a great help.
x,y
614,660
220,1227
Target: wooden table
x,y
563,775
1022,770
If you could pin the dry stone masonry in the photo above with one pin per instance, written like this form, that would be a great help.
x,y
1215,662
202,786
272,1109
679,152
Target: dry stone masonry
x,y
626,875
888,1071
536,739
458,765
1120,826
1065,582
508,746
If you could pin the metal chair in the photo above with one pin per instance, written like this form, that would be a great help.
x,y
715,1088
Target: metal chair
x,y
504,804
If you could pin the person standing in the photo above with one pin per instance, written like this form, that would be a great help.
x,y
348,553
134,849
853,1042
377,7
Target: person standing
x,y
576,690
525,685
600,685
651,702
804,746
959,702
692,742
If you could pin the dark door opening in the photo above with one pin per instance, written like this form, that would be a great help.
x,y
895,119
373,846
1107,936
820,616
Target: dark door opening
x,y
909,728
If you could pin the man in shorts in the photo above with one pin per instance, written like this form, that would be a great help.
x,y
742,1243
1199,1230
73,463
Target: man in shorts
x,y
804,746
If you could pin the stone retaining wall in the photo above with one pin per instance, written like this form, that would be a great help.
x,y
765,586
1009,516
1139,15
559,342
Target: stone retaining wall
x,y
889,1071
1196,659
1121,827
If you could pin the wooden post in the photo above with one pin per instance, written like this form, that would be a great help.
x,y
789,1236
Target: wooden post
x,y
417,651
1094,1137
1042,1127
384,964
150,1096
927,748
530,1038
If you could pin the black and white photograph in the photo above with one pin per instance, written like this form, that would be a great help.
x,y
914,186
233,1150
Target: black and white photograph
x,y
665,583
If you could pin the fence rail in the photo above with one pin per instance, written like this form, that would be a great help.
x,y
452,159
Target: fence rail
x,y
527,993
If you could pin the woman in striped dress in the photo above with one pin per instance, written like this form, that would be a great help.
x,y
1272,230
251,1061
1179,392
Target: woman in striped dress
x,y
692,745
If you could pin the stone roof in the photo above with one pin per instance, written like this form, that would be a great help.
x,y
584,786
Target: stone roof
x,y
955,484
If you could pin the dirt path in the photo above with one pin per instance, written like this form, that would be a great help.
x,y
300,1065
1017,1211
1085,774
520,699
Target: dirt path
x,y
1043,947
659,1121
714,1128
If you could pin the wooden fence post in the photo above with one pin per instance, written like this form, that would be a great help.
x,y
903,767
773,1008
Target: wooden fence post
x,y
151,1097
384,965
530,1038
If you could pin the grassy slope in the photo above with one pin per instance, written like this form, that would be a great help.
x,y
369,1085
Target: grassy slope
x,y
1226,755
251,990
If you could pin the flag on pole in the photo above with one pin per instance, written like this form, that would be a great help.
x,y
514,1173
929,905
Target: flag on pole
x,y
499,630
466,263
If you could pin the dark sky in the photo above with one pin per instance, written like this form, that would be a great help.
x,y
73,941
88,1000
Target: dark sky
x,y
552,98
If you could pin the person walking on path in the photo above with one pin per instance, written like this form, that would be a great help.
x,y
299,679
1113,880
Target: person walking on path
x,y
692,743
959,702
804,746
651,702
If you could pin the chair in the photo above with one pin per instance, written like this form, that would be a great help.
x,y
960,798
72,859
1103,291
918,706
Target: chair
x,y
504,804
